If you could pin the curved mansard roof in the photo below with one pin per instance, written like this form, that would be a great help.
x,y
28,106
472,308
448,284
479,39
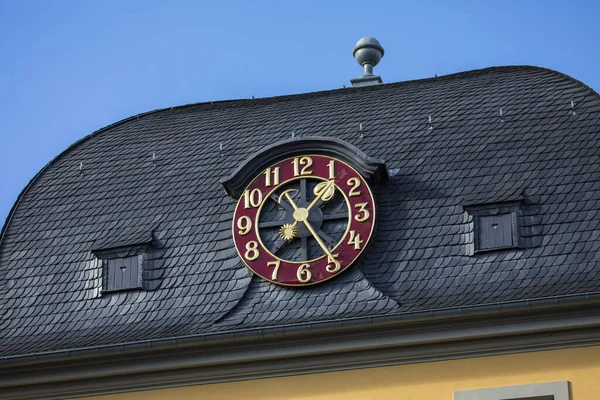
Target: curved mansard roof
x,y
538,153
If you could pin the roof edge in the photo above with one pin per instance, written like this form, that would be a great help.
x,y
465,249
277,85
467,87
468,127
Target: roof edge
x,y
527,307
324,351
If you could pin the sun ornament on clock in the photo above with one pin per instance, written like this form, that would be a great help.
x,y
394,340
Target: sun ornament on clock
x,y
303,220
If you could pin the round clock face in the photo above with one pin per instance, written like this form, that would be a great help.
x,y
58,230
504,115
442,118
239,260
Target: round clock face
x,y
303,220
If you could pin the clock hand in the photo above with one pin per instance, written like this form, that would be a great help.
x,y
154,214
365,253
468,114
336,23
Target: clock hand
x,y
284,193
292,202
302,216
322,245
320,195
285,206
288,231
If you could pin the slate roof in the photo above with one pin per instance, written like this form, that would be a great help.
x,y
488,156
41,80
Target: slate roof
x,y
422,256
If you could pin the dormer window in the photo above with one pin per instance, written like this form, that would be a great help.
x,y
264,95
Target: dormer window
x,y
495,225
509,223
123,273
130,266
122,267
495,231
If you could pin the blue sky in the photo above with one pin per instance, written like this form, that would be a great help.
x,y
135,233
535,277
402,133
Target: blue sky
x,y
68,68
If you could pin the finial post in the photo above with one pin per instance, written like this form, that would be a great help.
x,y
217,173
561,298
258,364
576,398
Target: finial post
x,y
367,52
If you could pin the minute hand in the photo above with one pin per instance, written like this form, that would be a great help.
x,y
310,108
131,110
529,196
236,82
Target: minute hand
x,y
318,239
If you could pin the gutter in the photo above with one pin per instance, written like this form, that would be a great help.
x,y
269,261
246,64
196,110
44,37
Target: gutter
x,y
295,330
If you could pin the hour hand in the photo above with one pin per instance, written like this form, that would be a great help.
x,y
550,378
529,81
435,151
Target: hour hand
x,y
288,231
284,204
286,194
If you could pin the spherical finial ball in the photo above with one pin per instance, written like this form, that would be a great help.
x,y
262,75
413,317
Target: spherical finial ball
x,y
368,50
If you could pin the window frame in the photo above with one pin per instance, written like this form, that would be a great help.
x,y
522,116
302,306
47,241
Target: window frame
x,y
477,211
134,284
477,221
113,255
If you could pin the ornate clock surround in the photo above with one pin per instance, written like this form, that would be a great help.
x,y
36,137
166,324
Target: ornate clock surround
x,y
309,197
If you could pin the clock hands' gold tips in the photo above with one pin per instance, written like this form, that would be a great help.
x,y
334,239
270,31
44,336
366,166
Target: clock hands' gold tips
x,y
286,195
320,190
324,190
287,231
289,199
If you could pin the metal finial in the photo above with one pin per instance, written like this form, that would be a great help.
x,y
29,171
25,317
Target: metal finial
x,y
368,53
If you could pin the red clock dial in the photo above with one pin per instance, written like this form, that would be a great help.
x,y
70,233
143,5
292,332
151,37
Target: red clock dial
x,y
304,220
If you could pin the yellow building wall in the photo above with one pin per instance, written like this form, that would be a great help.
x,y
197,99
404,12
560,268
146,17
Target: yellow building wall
x,y
434,380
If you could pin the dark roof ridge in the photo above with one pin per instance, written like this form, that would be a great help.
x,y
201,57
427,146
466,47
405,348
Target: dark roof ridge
x,y
243,102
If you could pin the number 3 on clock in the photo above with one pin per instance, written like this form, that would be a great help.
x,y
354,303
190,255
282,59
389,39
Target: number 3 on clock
x,y
363,214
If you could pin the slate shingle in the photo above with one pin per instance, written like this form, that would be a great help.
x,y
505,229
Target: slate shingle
x,y
420,257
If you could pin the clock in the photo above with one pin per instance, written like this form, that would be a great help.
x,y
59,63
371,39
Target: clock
x,y
303,220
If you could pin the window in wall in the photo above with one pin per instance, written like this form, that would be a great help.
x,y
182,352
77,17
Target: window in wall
x,y
536,391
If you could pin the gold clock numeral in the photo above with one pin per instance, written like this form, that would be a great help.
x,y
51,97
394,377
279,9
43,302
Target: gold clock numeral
x,y
364,213
275,173
319,178
333,265
244,224
252,198
305,163
303,274
331,166
252,250
354,183
276,265
355,240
